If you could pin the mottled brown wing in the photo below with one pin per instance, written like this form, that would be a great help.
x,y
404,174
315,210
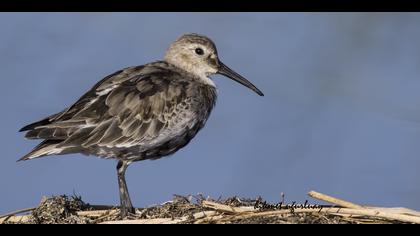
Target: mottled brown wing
x,y
68,113
122,110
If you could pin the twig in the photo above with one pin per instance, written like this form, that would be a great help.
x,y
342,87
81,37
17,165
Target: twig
x,y
209,219
204,214
147,221
381,214
335,210
334,201
356,210
100,207
103,217
226,208
97,213
14,219
397,210
196,216
17,212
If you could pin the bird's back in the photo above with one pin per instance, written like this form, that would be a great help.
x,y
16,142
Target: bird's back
x,y
138,113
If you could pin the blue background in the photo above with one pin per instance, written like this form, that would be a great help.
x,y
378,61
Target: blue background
x,y
341,113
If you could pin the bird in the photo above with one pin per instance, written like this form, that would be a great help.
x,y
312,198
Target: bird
x,y
140,112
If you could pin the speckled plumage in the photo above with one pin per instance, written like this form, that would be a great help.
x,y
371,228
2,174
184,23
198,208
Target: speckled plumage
x,y
140,112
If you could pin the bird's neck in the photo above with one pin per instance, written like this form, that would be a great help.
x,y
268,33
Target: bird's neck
x,y
201,76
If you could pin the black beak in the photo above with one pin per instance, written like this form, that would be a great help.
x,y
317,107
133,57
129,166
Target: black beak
x,y
226,71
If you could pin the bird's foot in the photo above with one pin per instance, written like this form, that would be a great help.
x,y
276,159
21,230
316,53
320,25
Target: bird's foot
x,y
127,212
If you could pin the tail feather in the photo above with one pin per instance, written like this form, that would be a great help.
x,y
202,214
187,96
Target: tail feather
x,y
47,147
42,122
35,124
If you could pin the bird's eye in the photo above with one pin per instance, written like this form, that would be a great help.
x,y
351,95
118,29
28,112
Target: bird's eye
x,y
199,51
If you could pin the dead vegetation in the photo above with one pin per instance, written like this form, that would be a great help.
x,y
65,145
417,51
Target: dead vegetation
x,y
201,210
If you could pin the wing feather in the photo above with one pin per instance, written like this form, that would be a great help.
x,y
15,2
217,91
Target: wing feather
x,y
130,107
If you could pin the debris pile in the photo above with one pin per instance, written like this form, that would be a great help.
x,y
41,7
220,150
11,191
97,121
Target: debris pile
x,y
200,210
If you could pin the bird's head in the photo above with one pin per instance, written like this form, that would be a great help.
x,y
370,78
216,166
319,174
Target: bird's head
x,y
197,54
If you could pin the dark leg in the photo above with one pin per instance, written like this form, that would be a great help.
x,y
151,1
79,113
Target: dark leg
x,y
126,206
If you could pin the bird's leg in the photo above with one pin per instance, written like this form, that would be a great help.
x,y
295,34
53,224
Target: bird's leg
x,y
126,205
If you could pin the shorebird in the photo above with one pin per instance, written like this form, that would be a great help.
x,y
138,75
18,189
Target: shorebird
x,y
140,112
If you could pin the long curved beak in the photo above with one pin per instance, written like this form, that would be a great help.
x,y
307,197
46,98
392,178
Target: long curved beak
x,y
226,71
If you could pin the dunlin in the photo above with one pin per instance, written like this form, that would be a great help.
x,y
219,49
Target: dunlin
x,y
141,112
